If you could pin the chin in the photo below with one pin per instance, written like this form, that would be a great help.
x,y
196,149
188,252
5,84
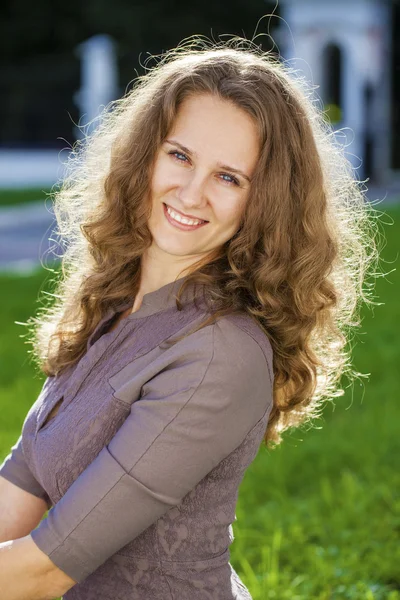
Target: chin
x,y
171,245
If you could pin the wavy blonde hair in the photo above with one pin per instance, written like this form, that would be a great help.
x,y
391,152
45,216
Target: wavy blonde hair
x,y
298,261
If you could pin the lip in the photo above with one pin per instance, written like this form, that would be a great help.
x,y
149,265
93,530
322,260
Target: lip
x,y
180,226
183,214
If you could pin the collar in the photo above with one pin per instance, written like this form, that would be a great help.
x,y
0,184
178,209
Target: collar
x,y
152,303
161,299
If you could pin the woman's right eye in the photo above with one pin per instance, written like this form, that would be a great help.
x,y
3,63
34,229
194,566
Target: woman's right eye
x,y
175,154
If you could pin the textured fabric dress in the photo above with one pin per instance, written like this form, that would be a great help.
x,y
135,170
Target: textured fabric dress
x,y
141,464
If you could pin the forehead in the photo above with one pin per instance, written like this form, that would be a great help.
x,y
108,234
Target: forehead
x,y
218,130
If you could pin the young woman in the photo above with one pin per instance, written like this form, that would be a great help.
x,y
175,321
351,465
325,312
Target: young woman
x,y
217,243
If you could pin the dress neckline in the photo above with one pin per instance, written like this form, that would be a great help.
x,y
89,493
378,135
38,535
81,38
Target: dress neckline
x,y
154,302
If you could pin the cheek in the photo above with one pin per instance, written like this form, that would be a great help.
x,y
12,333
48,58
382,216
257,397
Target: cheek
x,y
229,217
237,207
162,178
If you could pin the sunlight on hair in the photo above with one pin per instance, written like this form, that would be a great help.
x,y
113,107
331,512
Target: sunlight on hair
x,y
297,264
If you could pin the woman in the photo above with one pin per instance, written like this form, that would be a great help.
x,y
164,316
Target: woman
x,y
216,246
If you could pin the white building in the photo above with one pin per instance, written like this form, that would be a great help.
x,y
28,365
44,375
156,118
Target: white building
x,y
344,47
24,168
347,48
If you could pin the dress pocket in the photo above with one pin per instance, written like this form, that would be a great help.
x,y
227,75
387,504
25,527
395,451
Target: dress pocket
x,y
50,416
126,384
55,395
45,402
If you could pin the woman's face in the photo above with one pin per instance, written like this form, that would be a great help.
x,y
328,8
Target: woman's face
x,y
202,170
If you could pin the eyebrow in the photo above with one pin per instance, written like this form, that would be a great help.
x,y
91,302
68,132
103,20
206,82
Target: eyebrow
x,y
220,165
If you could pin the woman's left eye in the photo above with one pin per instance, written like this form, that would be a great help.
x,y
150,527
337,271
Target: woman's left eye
x,y
233,179
175,154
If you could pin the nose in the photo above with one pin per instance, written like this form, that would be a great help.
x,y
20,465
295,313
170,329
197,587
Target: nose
x,y
192,191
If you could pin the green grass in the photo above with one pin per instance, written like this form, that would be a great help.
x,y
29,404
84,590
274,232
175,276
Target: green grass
x,y
13,197
319,517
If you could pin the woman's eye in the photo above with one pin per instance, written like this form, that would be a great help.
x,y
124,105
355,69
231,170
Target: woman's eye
x,y
176,154
232,179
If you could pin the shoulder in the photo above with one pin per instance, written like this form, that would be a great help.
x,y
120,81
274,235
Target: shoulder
x,y
224,363
233,352
236,372
238,336
219,373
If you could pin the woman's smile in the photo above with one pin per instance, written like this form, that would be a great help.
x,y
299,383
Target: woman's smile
x,y
184,224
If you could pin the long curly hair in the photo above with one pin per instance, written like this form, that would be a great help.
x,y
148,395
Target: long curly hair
x,y
297,263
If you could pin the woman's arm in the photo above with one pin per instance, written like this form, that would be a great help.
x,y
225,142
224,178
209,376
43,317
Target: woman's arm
x,y
205,397
27,573
20,511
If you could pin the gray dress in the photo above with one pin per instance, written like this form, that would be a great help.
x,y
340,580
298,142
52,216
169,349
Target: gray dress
x,y
141,465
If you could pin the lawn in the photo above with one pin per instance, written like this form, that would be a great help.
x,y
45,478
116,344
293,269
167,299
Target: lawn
x,y
319,517
14,197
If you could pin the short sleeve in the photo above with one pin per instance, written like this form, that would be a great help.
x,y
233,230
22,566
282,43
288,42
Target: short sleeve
x,y
191,416
15,469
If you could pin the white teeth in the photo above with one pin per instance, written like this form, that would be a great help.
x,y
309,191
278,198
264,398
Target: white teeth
x,y
180,219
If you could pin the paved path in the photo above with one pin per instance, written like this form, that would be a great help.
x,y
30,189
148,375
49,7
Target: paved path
x,y
27,232
25,237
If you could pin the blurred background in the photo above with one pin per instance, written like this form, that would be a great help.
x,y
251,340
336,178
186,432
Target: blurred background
x,y
318,517
60,64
